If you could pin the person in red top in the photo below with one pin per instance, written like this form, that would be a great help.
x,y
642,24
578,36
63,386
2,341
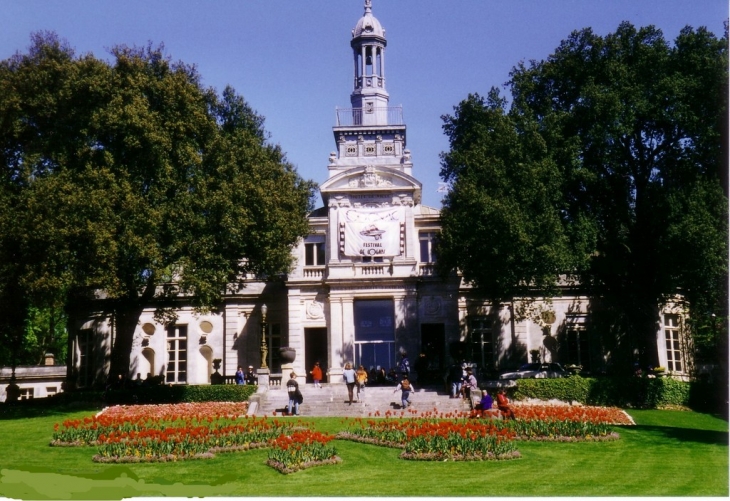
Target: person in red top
x,y
316,373
503,405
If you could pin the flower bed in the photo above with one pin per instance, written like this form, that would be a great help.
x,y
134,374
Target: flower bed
x,y
133,418
567,423
427,438
476,436
300,450
459,441
168,432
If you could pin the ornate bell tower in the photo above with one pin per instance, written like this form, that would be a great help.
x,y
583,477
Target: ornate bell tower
x,y
368,50
371,135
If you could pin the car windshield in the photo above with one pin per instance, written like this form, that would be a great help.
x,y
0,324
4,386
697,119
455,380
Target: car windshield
x,y
530,367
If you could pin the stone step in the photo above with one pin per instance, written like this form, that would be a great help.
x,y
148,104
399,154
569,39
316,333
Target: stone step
x,y
332,400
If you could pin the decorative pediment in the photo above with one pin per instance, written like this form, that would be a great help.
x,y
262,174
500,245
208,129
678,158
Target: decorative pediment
x,y
384,181
370,179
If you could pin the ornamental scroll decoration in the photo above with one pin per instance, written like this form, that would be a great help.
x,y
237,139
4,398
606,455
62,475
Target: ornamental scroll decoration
x,y
370,179
315,310
432,306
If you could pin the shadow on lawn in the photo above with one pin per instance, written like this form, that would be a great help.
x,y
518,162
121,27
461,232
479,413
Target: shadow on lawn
x,y
14,411
686,434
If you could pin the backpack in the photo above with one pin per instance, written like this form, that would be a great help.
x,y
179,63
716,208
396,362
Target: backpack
x,y
405,385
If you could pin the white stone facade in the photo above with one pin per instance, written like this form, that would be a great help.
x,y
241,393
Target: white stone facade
x,y
363,287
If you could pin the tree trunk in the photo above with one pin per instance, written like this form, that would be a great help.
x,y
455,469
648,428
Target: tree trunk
x,y
126,319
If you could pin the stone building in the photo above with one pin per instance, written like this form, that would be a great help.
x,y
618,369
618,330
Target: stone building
x,y
32,381
363,287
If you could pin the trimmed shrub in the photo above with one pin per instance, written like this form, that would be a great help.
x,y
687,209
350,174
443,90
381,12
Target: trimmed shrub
x,y
620,392
181,393
572,389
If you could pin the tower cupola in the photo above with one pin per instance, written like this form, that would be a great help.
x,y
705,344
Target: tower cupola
x,y
368,47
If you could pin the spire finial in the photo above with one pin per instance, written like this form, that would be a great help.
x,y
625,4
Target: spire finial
x,y
368,6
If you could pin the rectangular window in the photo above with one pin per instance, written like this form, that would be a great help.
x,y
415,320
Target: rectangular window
x,y
481,342
314,254
26,393
673,344
577,347
371,259
427,240
177,354
51,390
84,340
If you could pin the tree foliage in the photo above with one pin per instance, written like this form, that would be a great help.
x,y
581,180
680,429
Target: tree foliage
x,y
133,179
501,222
632,128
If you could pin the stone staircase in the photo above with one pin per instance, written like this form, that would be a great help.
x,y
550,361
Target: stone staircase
x,y
332,400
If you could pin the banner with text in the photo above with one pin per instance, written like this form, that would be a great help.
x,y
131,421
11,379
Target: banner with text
x,y
372,232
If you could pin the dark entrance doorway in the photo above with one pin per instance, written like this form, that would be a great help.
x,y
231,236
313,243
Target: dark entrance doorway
x,y
315,350
374,333
433,339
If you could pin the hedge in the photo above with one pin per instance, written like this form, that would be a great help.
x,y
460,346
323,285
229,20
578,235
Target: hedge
x,y
181,393
638,392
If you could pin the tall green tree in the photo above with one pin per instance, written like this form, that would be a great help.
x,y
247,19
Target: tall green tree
x,y
130,181
635,128
501,221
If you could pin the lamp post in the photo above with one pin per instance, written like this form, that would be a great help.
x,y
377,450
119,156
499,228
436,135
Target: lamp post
x,y
264,348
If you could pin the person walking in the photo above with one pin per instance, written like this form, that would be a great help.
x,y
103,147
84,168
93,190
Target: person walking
x,y
405,366
295,396
405,388
316,373
240,375
361,377
349,376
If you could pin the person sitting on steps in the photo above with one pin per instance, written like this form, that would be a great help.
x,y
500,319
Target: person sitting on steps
x,y
503,405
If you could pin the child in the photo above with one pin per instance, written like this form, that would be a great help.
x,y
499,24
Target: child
x,y
316,373
406,388
361,377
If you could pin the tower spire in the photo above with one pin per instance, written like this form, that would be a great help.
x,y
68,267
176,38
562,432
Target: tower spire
x,y
368,6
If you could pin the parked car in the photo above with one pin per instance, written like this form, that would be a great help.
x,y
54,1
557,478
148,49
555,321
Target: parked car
x,y
538,371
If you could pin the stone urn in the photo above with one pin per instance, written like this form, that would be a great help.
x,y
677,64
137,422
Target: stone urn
x,y
287,354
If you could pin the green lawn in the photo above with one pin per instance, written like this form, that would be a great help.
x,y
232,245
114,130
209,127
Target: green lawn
x,y
668,453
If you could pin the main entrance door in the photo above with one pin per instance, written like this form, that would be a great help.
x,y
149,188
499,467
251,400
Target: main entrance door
x,y
375,333
315,350
433,341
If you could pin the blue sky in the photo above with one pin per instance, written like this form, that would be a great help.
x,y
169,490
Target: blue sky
x,y
291,59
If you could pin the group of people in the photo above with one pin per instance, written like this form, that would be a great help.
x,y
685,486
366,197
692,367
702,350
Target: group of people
x,y
248,377
462,381
503,405
355,380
